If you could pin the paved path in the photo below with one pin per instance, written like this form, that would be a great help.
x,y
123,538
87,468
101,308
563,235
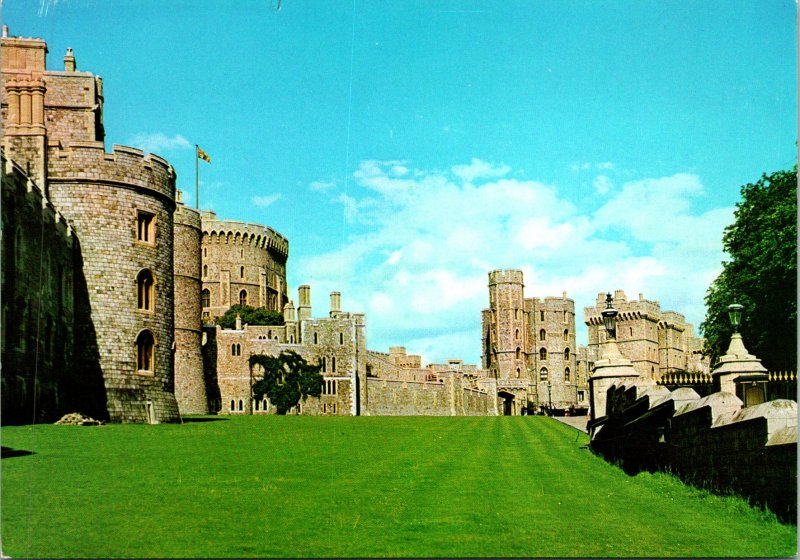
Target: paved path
x,y
577,422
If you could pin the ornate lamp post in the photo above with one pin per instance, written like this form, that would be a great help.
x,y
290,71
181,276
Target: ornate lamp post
x,y
611,368
738,371
610,318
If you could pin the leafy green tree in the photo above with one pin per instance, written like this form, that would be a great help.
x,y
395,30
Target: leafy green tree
x,y
250,316
761,274
287,379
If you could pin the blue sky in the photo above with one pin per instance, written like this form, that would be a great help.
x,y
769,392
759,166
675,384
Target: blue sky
x,y
408,148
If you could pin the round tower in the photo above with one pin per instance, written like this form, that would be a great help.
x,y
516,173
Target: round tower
x,y
242,263
121,206
507,325
190,386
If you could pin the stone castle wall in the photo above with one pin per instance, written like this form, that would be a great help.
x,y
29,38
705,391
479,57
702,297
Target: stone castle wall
x,y
190,387
712,442
240,257
39,382
449,396
656,341
101,194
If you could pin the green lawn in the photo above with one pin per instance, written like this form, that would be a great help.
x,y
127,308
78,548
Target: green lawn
x,y
314,486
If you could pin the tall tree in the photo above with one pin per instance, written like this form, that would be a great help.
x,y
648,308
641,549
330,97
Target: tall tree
x,y
287,379
761,274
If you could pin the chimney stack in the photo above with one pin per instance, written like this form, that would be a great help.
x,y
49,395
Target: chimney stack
x,y
69,61
336,302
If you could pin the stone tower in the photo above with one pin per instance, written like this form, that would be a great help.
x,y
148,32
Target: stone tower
x,y
553,352
504,329
242,263
120,207
190,386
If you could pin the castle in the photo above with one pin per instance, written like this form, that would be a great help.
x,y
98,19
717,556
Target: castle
x,y
110,285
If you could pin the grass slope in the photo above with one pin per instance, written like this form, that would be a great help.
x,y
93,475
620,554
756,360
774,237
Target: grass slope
x,y
310,486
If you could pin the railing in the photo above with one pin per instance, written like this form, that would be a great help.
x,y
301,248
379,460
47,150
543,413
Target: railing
x,y
781,384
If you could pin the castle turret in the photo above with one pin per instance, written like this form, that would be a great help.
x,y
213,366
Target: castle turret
x,y
506,331
190,387
304,305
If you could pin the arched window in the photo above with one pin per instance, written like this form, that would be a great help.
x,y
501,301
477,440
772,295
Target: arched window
x,y
566,353
333,364
205,271
233,349
145,346
542,335
264,404
541,315
233,405
516,334
324,364
206,297
519,353
243,297
518,372
241,272
255,404
543,374
144,290
241,405
566,334
542,353
566,375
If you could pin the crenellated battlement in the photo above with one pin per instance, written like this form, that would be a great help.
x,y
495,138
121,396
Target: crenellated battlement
x,y
509,276
246,234
124,166
18,176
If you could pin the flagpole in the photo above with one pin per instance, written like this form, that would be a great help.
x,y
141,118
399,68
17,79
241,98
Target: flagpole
x,y
196,177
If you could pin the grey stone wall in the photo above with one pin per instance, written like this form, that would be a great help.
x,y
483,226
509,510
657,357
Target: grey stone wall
x,y
712,442
190,387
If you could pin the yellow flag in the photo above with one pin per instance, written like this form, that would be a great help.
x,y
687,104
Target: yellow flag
x,y
202,155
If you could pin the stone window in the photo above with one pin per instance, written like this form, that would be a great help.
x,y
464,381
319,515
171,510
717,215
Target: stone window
x,y
241,272
324,364
206,297
518,373
566,375
236,349
566,316
519,352
145,347
333,364
341,339
145,227
233,405
144,290
541,315
543,374
241,405
255,404
329,387
516,334
205,271
581,396
205,251
542,335
316,338
566,353
566,334
542,354
264,405
243,297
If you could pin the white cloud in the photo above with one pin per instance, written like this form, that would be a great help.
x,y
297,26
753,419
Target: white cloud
x,y
322,186
605,165
479,169
421,243
264,201
602,184
158,142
